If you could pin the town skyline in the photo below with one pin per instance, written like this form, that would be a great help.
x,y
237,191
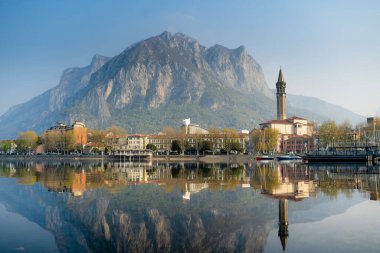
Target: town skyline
x,y
323,53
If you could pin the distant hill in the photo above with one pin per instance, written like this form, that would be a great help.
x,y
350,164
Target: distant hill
x,y
158,82
325,109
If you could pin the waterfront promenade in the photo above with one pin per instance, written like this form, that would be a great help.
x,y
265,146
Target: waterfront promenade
x,y
162,158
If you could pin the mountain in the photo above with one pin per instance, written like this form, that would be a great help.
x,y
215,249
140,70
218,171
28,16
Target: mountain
x,y
39,113
320,107
152,84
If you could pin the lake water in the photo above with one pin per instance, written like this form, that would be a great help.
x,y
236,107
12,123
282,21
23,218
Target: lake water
x,y
188,207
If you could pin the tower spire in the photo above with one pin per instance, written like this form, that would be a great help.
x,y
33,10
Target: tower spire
x,y
281,96
280,76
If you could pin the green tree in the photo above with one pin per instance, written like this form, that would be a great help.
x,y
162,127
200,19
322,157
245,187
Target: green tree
x,y
69,141
265,140
206,146
271,138
236,146
258,143
52,140
176,146
327,133
6,146
151,146
345,134
27,141
96,136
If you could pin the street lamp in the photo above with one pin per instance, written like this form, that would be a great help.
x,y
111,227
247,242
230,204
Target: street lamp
x,y
333,149
318,143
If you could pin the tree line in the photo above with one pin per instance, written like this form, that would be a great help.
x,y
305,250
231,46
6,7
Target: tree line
x,y
58,141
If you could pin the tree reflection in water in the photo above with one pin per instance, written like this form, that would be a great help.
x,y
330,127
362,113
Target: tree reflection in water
x,y
126,207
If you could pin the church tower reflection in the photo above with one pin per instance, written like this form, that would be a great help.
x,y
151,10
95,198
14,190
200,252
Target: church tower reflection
x,y
286,181
283,232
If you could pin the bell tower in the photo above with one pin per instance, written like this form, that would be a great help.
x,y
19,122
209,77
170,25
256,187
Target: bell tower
x,y
281,97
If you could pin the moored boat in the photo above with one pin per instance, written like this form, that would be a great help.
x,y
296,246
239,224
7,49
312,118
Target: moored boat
x,y
290,156
264,157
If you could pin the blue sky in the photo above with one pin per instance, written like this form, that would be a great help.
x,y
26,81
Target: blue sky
x,y
327,49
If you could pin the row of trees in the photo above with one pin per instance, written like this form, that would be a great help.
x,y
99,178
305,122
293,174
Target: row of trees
x,y
328,134
203,146
331,134
201,142
181,146
27,141
5,146
60,141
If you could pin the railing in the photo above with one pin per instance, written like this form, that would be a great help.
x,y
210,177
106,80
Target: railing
x,y
339,152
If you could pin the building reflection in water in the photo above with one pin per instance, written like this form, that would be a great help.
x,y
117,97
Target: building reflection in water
x,y
375,195
284,182
290,181
79,184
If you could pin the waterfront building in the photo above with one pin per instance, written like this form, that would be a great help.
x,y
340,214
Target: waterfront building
x,y
133,142
80,133
218,140
78,187
295,132
188,128
371,131
59,133
297,143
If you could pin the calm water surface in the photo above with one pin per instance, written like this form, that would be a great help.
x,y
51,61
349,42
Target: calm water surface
x,y
188,207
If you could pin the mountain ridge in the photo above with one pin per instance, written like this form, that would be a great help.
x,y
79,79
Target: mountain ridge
x,y
154,83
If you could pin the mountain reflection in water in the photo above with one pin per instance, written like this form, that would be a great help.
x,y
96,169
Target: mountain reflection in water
x,y
182,207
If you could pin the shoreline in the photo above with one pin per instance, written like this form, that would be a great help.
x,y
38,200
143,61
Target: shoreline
x,y
168,158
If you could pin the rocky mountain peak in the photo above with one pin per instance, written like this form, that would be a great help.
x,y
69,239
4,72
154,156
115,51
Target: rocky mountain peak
x,y
178,40
166,35
98,61
170,75
241,50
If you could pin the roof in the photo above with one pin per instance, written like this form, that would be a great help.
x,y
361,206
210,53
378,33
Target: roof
x,y
285,121
295,117
277,121
137,135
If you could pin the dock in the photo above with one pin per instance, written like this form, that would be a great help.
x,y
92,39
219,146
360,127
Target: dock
x,y
343,157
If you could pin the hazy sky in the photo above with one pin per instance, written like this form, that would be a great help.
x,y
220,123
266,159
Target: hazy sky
x,y
327,49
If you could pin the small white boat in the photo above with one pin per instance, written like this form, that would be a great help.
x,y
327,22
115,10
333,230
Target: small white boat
x,y
290,156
